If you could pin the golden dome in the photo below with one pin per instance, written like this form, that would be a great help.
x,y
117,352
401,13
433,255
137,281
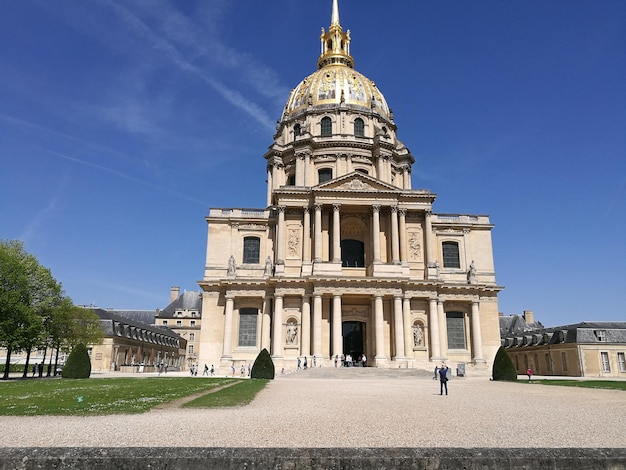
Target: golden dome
x,y
336,82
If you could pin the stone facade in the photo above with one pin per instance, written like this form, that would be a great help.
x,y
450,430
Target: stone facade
x,y
347,258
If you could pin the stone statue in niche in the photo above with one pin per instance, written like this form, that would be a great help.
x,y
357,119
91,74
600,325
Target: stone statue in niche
x,y
292,333
471,273
232,267
418,336
293,243
268,267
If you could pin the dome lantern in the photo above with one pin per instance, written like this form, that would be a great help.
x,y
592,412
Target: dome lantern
x,y
335,44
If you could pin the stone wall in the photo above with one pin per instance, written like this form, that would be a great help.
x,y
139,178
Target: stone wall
x,y
190,458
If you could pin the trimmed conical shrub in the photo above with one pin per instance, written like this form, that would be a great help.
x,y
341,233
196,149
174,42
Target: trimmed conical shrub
x,y
503,367
78,364
263,367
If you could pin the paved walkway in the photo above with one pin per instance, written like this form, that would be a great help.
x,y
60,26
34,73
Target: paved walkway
x,y
356,408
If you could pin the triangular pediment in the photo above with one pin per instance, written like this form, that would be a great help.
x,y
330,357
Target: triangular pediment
x,y
356,181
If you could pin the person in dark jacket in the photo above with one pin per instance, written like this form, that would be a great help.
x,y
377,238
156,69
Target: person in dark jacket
x,y
443,379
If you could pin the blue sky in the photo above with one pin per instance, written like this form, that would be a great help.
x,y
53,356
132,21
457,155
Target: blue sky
x,y
122,122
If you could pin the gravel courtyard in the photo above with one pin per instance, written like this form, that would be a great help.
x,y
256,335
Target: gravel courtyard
x,y
350,408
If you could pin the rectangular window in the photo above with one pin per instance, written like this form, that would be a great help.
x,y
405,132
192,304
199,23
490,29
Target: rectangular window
x,y
191,349
621,361
451,255
606,365
179,323
548,362
564,361
251,250
192,323
247,327
165,322
455,323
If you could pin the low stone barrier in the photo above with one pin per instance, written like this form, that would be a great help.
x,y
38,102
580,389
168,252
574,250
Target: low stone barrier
x,y
193,458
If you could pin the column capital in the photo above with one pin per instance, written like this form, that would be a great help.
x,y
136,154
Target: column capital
x,y
336,206
402,212
306,209
393,209
281,209
317,206
375,208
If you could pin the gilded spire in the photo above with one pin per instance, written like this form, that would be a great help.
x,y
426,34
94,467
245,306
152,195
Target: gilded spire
x,y
335,43
334,20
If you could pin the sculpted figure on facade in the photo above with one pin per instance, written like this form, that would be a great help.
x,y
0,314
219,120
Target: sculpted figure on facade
x,y
418,336
471,273
232,267
293,243
292,333
269,269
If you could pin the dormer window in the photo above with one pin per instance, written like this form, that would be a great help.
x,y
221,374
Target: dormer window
x,y
600,335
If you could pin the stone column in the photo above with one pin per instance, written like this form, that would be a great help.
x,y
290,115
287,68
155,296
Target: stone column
x,y
376,232
307,169
280,237
428,231
398,327
305,345
408,331
403,246
227,351
379,326
395,244
318,233
266,324
306,238
299,170
337,327
269,186
336,234
277,339
317,325
433,330
349,163
443,329
477,339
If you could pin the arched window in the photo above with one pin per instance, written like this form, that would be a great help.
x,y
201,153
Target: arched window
x,y
297,130
451,255
327,127
359,127
192,336
251,250
291,180
324,174
352,254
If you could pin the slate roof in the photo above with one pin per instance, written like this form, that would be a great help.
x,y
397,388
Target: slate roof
x,y
142,316
188,300
584,332
107,317
516,324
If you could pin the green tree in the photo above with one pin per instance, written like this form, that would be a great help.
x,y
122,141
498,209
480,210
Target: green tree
x,y
503,367
29,295
263,367
78,365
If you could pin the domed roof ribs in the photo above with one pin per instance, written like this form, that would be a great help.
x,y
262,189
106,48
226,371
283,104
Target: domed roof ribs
x,y
335,43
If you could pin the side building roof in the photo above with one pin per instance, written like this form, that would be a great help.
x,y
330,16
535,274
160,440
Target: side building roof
x,y
188,300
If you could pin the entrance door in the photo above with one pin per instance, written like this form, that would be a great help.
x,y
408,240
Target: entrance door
x,y
354,339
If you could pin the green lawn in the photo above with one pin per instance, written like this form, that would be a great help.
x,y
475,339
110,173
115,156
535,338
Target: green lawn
x,y
607,384
98,396
239,394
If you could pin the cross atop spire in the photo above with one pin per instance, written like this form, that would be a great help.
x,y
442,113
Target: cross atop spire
x,y
335,43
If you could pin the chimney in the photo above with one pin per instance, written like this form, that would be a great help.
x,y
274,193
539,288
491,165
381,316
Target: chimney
x,y
174,293
529,317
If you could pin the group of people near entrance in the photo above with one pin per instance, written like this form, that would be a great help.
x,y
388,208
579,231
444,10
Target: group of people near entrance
x,y
348,361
